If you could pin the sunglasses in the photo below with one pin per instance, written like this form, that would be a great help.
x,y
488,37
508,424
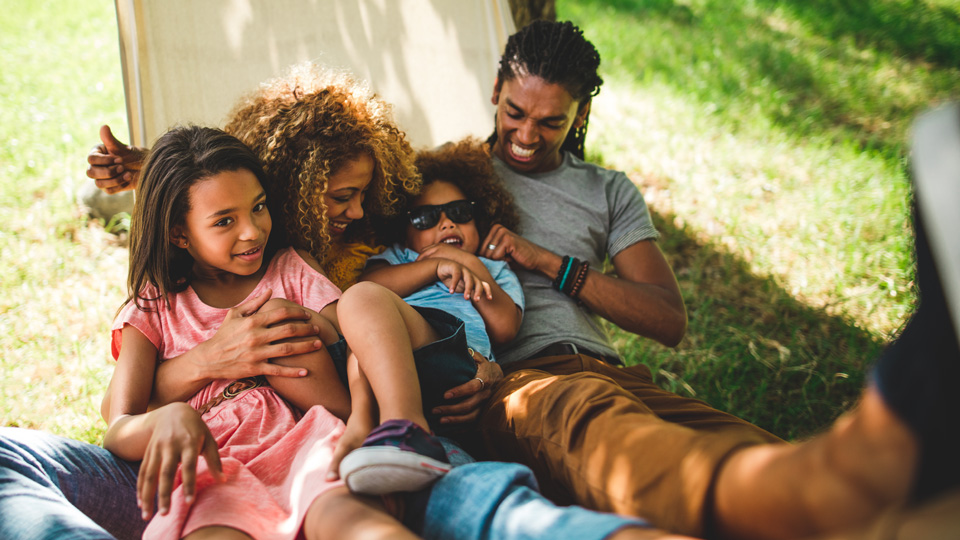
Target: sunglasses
x,y
427,216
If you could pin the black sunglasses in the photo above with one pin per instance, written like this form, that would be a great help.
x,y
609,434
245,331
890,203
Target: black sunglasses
x,y
428,215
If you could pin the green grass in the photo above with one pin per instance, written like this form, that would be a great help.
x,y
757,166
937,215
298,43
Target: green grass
x,y
63,277
769,140
767,136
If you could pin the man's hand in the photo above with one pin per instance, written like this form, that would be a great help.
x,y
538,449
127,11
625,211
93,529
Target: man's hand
x,y
113,165
513,248
475,391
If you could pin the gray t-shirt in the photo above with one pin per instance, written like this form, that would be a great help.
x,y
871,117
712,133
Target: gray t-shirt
x,y
581,210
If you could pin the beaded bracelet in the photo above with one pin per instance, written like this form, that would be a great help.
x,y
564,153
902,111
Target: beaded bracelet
x,y
566,264
581,277
575,267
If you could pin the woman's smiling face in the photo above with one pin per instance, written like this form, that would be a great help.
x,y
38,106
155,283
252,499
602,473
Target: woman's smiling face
x,y
346,189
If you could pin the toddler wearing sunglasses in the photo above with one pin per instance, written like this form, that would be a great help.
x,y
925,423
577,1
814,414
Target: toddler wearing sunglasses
x,y
432,262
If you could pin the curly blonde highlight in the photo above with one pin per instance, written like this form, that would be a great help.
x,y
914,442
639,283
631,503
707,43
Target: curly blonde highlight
x,y
307,125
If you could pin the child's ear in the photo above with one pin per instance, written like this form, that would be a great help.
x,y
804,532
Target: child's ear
x,y
177,237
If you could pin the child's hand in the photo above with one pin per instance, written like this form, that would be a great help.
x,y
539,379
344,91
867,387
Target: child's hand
x,y
446,251
459,278
352,438
179,436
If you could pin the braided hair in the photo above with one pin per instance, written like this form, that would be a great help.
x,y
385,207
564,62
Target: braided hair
x,y
558,53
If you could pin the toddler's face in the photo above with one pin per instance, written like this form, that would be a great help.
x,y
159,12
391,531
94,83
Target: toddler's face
x,y
442,215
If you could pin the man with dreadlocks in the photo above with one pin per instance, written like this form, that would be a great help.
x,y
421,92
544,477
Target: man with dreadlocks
x,y
607,437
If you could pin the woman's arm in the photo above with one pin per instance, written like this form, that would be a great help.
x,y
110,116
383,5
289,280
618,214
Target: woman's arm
x,y
643,298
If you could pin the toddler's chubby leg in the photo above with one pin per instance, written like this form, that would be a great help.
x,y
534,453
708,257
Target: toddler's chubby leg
x,y
339,514
321,385
382,331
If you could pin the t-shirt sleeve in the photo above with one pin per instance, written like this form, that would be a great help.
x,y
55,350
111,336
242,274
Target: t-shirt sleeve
x,y
629,216
316,291
147,322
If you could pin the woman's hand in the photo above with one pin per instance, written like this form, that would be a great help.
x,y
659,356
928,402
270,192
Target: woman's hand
x,y
475,391
249,338
113,165
179,437
458,278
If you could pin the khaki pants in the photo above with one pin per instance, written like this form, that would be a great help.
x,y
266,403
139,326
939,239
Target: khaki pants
x,y
609,439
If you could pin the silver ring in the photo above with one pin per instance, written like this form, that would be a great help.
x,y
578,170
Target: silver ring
x,y
491,247
482,384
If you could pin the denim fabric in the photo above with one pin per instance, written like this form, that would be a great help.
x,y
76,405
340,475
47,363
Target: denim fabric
x,y
500,501
57,488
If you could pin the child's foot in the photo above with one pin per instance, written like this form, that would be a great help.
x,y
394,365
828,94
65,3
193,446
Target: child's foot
x,y
398,455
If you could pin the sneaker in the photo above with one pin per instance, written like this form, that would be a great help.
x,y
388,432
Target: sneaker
x,y
398,455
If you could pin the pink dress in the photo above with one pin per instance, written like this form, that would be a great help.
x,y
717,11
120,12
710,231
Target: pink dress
x,y
274,461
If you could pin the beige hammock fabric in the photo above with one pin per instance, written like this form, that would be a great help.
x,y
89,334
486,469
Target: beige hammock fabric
x,y
434,60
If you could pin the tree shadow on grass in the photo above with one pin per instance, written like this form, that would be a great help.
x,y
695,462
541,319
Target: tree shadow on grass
x,y
811,81
916,30
751,348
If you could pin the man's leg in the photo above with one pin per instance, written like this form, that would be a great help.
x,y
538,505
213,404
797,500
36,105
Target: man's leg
x,y
608,449
55,488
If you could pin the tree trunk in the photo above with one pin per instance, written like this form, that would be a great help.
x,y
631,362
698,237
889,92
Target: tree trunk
x,y
527,11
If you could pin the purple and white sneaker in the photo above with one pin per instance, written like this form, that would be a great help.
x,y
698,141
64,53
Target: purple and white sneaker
x,y
398,455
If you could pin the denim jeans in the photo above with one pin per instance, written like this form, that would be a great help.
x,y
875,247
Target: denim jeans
x,y
500,500
57,488
53,487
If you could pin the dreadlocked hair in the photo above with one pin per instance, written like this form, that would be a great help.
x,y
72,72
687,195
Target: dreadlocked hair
x,y
558,53
466,165
305,127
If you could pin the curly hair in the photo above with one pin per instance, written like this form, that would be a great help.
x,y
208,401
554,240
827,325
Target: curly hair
x,y
467,165
558,53
305,127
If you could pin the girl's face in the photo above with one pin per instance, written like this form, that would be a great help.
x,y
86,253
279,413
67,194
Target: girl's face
x,y
227,226
445,231
346,189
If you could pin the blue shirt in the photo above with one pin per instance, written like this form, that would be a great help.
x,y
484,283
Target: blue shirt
x,y
438,296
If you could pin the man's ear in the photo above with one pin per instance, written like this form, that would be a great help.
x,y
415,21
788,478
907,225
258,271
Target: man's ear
x,y
177,237
582,115
496,91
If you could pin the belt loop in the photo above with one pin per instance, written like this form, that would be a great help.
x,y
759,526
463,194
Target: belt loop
x,y
575,349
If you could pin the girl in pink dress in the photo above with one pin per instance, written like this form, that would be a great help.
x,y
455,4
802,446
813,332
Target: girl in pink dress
x,y
199,259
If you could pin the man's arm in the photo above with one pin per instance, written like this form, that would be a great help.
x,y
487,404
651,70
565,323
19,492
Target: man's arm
x,y
643,298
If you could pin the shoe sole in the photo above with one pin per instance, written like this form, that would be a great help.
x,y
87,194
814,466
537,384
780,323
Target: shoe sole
x,y
382,470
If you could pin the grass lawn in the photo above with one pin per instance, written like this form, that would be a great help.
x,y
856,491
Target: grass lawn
x,y
767,136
